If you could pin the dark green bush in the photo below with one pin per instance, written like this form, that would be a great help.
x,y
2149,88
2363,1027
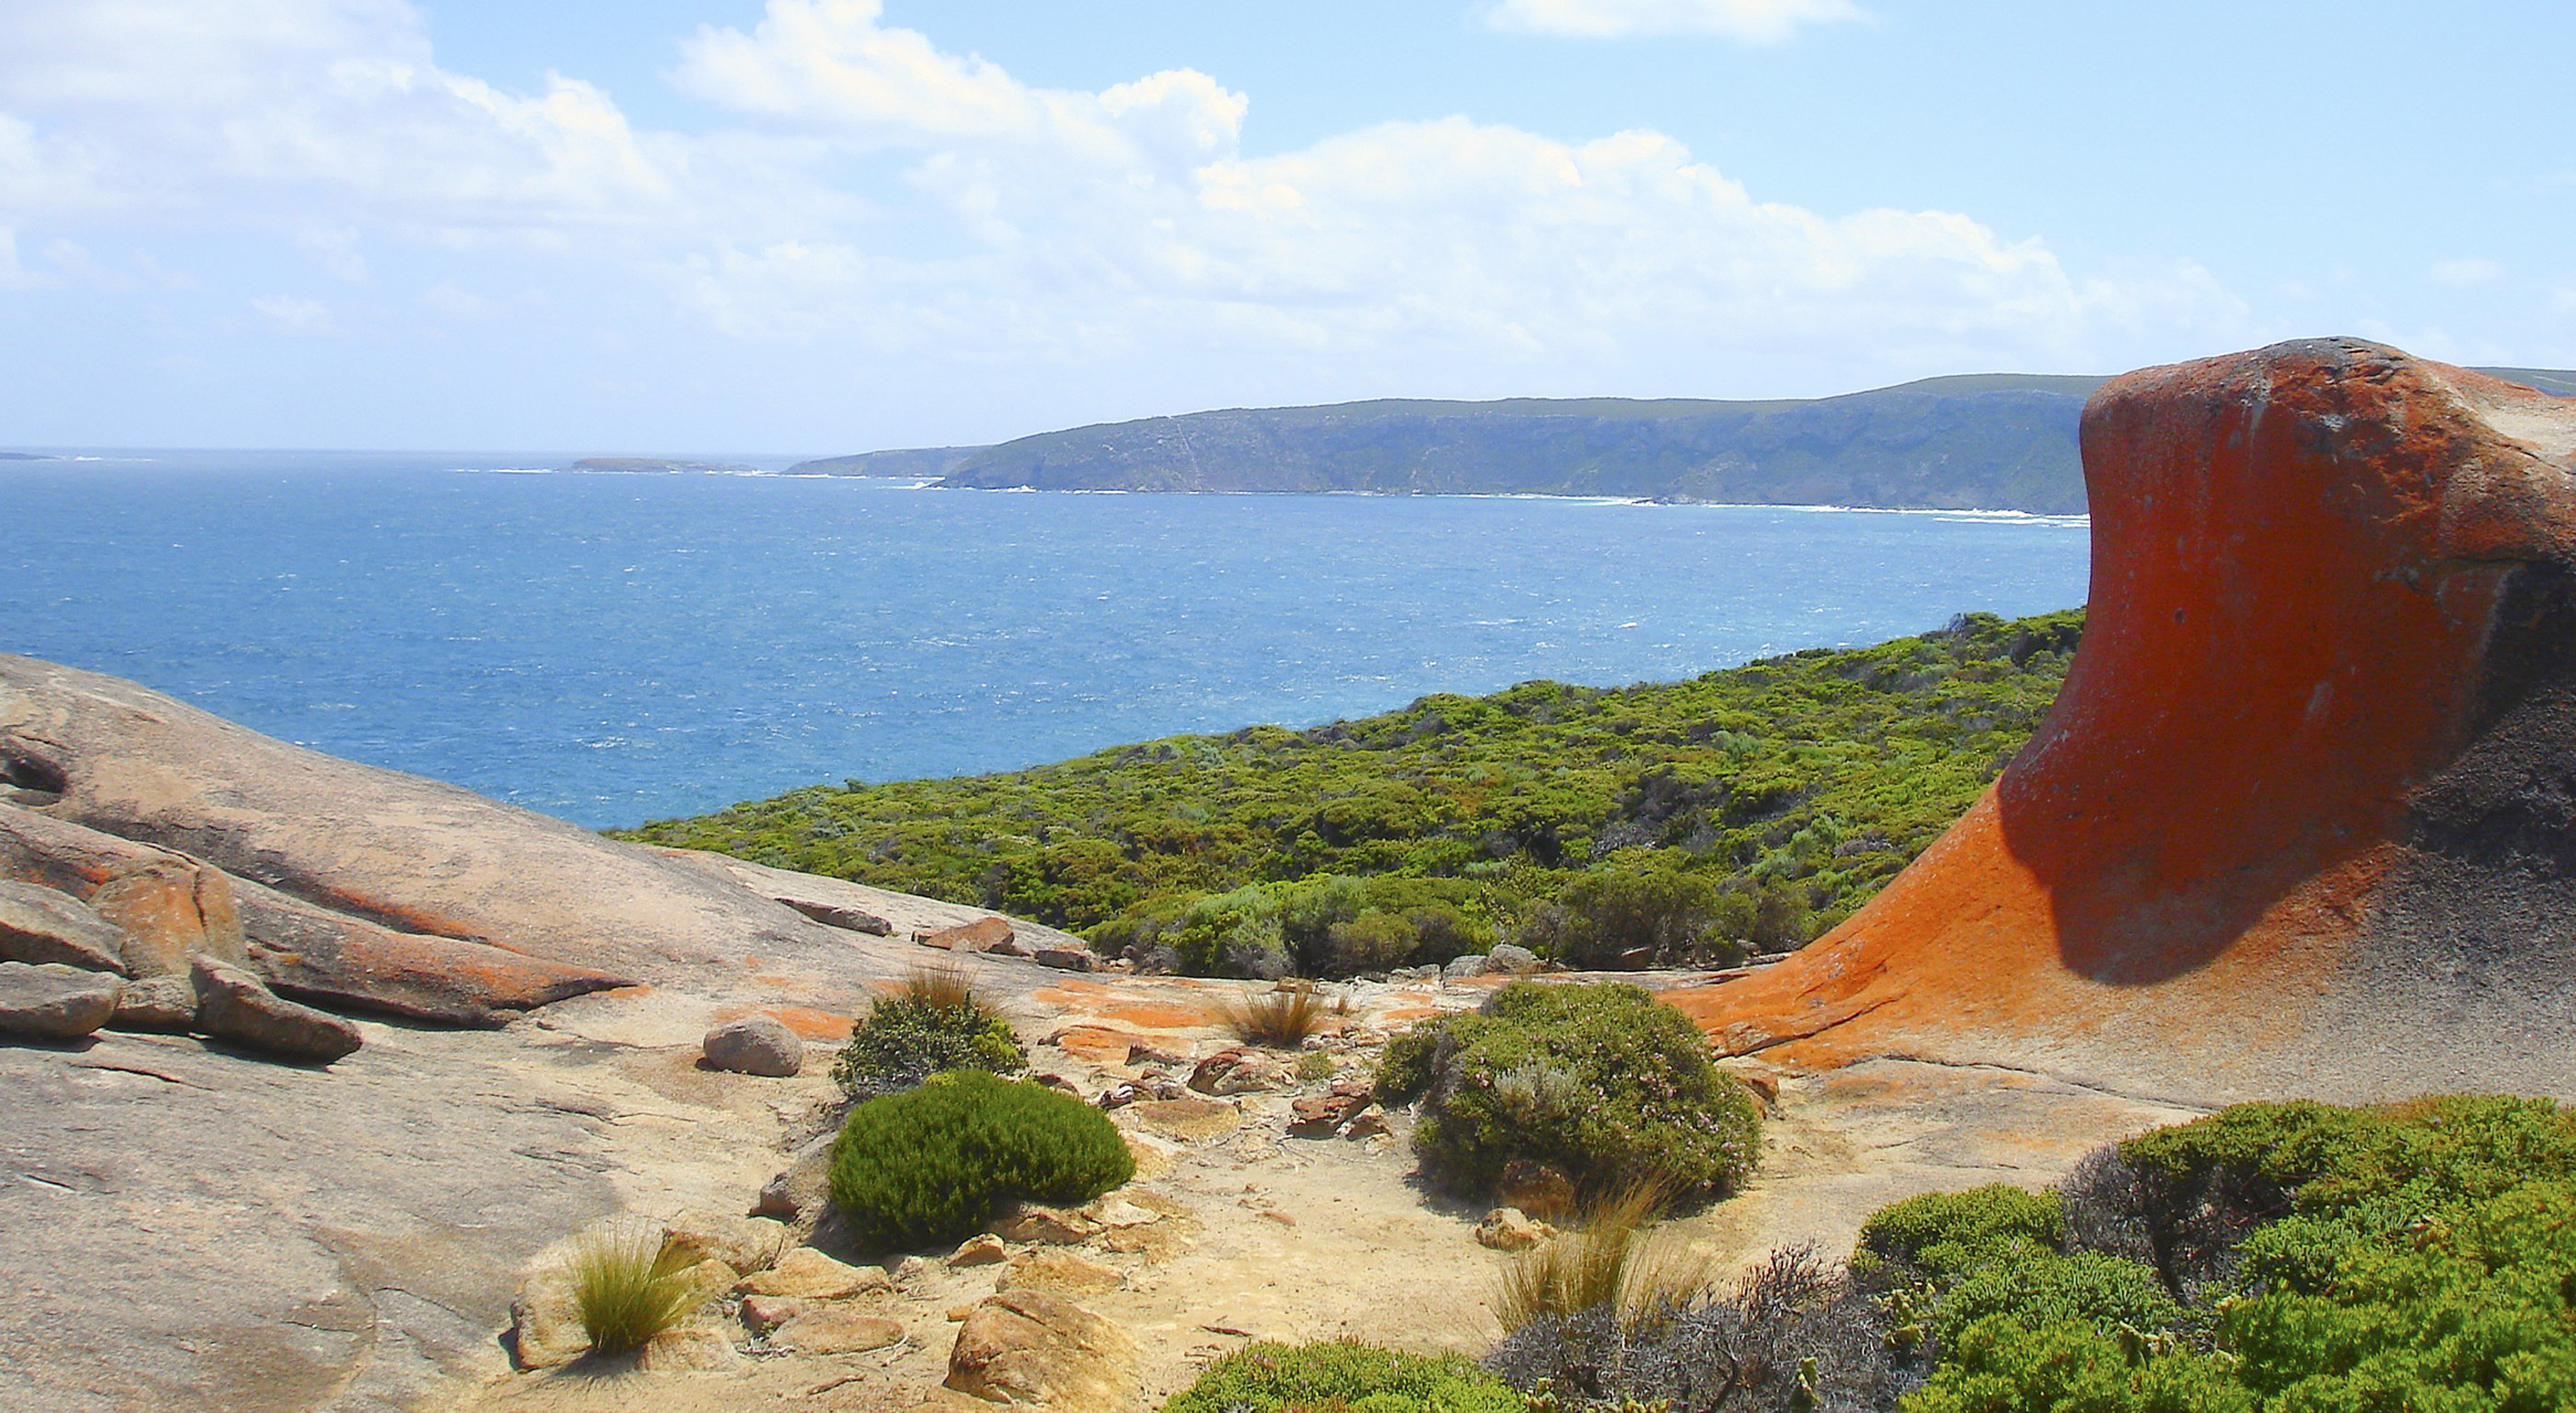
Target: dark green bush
x,y
1404,1066
932,1165
1598,918
1342,1374
1601,1082
906,1039
2001,1365
1944,1234
2040,1288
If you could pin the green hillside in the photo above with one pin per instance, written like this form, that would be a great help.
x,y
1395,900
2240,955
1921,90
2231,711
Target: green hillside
x,y
1760,803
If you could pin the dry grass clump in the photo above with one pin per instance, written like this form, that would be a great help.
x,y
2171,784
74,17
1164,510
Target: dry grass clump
x,y
630,1283
947,985
1620,1257
1280,1018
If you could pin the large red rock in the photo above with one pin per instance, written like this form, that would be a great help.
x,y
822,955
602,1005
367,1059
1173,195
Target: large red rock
x,y
168,907
2303,819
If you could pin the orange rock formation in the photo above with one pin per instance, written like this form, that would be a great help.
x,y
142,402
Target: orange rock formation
x,y
2303,819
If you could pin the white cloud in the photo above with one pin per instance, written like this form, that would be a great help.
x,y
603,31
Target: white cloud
x,y
2470,271
289,314
1022,225
1750,21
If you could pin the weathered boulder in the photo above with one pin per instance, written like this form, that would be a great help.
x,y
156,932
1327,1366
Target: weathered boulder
x,y
167,906
799,1191
757,1045
233,1006
744,1243
309,953
167,1004
808,1274
43,925
1066,958
545,1319
2298,819
1241,1069
836,1329
982,1250
1323,1115
1472,964
1046,1226
1511,1229
1057,1270
52,1001
1030,1346
1512,958
415,856
989,934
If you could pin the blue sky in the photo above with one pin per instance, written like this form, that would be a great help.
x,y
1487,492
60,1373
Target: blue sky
x,y
829,225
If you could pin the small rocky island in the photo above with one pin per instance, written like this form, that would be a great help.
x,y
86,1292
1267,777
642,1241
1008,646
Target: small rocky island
x,y
660,466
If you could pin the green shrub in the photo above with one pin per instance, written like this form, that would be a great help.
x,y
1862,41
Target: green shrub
x,y
2042,1288
932,1165
1601,1082
1943,1234
1342,1374
630,1284
1598,917
1404,1066
906,1039
2000,1365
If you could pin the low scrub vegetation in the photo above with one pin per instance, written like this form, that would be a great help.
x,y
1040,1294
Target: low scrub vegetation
x,y
1682,821
1342,1374
1601,1083
935,1023
2272,1258
630,1284
931,1165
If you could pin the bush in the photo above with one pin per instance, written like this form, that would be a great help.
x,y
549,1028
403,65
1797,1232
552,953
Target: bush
x,y
908,1038
2003,1366
1943,1234
1342,1374
932,1165
1404,1066
630,1284
2042,1288
1601,1082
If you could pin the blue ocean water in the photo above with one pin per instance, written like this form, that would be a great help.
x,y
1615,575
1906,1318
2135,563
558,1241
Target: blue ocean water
x,y
616,648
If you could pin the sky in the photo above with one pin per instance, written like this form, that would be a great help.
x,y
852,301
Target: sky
x,y
822,226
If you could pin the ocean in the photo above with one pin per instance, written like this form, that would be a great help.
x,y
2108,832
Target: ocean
x,y
616,648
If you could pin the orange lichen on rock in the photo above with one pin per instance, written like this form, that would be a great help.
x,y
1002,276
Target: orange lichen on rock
x,y
2322,573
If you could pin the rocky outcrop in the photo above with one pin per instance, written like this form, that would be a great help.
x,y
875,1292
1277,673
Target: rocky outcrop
x,y
232,1005
2300,820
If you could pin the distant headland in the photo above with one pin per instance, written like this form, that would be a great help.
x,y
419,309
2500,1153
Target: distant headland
x,y
1995,441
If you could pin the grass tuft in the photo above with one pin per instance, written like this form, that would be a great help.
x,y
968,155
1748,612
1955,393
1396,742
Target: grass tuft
x,y
1280,1018
1619,1257
630,1283
945,986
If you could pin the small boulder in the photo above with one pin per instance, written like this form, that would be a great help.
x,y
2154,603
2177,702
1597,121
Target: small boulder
x,y
759,1045
1471,964
804,1187
688,1349
836,1330
763,1313
978,1251
842,915
744,1243
1240,1069
1517,960
39,925
167,1004
1067,958
233,1006
1030,1346
909,1269
545,1320
1057,1271
52,1001
1047,1226
1511,1229
989,934
1323,1115
808,1274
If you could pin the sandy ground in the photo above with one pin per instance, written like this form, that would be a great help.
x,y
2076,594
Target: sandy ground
x,y
1264,1235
